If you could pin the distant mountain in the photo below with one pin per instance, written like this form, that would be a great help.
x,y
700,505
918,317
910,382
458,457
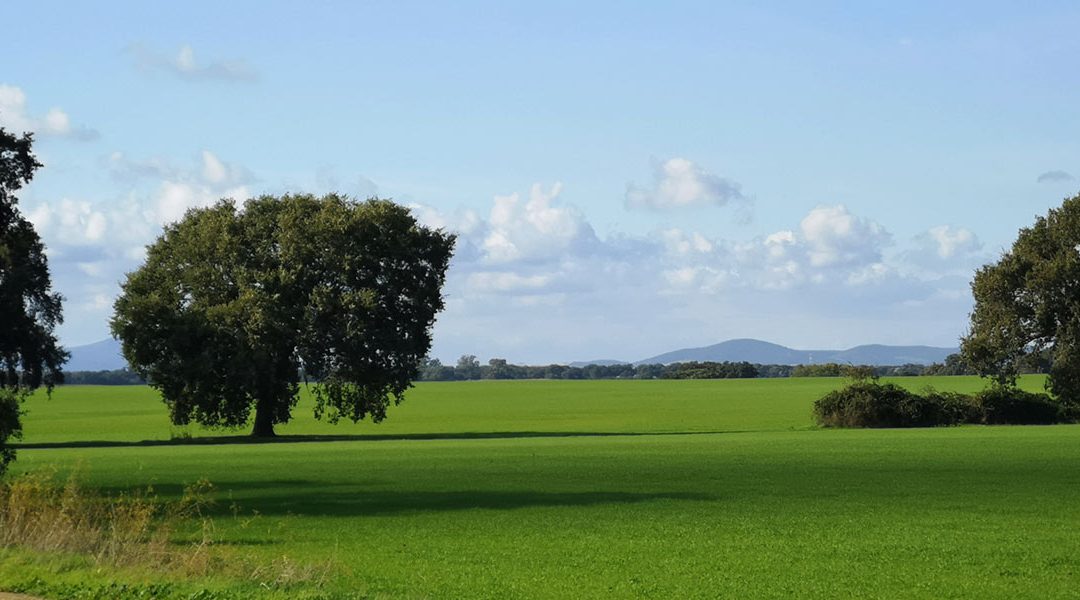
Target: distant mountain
x,y
99,356
757,351
603,362
876,354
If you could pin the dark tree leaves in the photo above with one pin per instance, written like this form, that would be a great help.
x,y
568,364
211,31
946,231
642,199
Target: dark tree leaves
x,y
1027,305
29,310
233,306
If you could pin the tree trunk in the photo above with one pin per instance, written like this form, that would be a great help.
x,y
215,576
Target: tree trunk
x,y
264,420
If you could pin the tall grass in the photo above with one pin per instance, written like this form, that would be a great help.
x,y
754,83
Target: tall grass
x,y
130,530
39,514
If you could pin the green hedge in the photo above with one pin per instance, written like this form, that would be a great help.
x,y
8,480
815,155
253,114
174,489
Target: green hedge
x,y
869,403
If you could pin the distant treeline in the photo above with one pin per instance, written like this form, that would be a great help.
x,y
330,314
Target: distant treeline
x,y
469,368
117,377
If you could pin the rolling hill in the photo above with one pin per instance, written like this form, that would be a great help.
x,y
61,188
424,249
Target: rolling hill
x,y
99,356
766,353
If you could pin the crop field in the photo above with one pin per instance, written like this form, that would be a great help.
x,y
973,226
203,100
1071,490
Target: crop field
x,y
560,489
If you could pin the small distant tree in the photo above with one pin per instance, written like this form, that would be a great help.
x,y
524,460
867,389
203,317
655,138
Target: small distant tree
x,y
1027,306
233,305
498,369
30,356
468,367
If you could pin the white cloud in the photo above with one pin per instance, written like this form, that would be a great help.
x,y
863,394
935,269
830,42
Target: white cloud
x,y
185,64
835,236
206,181
207,169
506,282
534,229
679,183
949,242
176,198
944,250
872,273
92,269
72,222
680,243
463,221
15,117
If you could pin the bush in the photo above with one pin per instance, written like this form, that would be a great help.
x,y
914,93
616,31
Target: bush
x,y
867,403
1011,406
949,408
10,427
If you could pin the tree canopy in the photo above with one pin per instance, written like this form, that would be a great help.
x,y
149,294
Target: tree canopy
x,y
233,308
1027,306
29,310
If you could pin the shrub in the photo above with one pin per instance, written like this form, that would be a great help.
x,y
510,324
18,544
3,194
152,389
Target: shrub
x,y
949,408
867,403
10,427
1001,405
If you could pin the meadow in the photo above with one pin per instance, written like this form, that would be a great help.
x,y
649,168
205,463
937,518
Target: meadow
x,y
537,489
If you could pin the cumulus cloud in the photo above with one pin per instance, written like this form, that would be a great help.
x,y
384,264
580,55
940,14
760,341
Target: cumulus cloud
x,y
831,271
15,116
1054,176
202,183
948,242
943,250
679,183
206,168
540,247
534,229
75,222
835,236
185,65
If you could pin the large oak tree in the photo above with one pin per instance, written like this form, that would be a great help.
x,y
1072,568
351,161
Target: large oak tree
x,y
1027,306
234,308
29,310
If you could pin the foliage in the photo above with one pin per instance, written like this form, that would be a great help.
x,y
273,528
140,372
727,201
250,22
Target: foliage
x,y
954,365
712,370
869,403
1007,405
941,408
1027,306
29,310
469,368
820,370
10,425
231,305
115,377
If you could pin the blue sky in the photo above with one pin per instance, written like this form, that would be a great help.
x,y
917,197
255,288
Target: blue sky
x,y
626,178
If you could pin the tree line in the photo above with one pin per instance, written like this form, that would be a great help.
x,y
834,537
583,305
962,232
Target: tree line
x,y
469,368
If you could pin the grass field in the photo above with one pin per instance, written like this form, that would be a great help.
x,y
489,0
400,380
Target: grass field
x,y
655,489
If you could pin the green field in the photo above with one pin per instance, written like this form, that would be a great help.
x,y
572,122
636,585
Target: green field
x,y
655,489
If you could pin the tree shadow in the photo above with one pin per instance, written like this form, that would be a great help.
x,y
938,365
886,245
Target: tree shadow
x,y
301,497
372,437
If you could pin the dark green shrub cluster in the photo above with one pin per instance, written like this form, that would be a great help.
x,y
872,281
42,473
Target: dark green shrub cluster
x,y
869,403
10,427
1001,405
